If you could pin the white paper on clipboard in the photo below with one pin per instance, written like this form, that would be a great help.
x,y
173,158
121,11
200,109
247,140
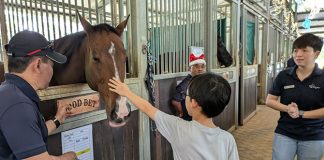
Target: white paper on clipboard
x,y
78,140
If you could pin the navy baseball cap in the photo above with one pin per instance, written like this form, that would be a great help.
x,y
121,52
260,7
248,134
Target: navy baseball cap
x,y
28,43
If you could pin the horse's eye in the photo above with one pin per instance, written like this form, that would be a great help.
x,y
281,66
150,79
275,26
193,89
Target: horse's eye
x,y
96,59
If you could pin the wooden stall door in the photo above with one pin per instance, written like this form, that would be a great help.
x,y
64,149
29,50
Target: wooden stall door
x,y
271,57
248,68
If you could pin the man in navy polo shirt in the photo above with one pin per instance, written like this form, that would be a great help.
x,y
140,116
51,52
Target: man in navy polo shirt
x,y
197,65
23,130
300,129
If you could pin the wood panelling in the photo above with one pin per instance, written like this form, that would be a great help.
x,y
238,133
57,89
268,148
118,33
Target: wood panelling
x,y
108,143
226,119
250,92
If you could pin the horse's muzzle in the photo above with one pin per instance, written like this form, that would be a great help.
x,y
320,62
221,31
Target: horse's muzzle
x,y
119,115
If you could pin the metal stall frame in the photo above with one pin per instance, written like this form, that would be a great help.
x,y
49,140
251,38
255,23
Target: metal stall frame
x,y
249,71
233,71
262,13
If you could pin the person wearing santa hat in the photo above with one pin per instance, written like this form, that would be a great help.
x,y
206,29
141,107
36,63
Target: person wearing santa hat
x,y
197,65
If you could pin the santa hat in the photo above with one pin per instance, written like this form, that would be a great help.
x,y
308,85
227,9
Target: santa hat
x,y
196,56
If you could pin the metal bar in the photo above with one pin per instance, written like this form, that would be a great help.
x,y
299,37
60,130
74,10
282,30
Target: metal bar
x,y
121,11
42,16
36,18
114,12
10,20
76,15
173,38
197,29
58,18
186,37
70,16
194,25
179,35
183,34
53,25
17,20
169,35
21,17
47,21
131,63
152,39
3,31
112,9
174,27
189,36
157,44
104,10
82,8
161,37
64,17
176,57
89,7
26,12
164,36
97,14
197,25
31,14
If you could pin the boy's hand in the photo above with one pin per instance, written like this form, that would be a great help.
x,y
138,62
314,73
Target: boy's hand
x,y
118,87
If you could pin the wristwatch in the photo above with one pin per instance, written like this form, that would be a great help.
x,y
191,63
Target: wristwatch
x,y
301,114
56,122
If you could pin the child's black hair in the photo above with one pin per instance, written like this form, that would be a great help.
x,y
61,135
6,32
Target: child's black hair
x,y
211,91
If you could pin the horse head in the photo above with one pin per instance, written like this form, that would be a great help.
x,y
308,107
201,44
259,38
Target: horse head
x,y
106,58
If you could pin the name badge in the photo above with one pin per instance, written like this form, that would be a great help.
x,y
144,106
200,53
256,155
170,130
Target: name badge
x,y
289,87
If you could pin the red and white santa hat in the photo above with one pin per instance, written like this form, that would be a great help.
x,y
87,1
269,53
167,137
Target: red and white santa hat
x,y
196,56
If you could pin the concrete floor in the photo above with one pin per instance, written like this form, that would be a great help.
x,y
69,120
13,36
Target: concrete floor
x,y
254,139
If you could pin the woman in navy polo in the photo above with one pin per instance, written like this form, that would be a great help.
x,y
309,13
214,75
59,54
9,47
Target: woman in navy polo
x,y
300,129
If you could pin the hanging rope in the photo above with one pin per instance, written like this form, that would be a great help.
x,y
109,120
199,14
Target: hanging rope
x,y
149,79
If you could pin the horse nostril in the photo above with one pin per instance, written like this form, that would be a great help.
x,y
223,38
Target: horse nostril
x,y
118,120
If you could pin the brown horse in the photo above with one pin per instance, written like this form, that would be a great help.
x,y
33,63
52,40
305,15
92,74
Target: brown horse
x,y
94,56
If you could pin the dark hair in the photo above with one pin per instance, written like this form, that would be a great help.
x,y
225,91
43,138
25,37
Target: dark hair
x,y
19,64
310,40
211,91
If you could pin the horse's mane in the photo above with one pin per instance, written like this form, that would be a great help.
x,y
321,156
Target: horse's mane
x,y
104,27
68,44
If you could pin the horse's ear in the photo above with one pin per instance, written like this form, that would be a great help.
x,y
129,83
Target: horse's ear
x,y
86,25
121,26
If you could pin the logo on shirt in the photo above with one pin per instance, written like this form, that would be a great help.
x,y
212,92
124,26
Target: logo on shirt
x,y
289,86
313,86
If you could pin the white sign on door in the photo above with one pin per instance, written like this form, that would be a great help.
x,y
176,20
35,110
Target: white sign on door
x,y
78,140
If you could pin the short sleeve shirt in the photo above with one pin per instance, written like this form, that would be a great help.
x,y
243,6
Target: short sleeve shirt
x,y
181,89
192,141
23,130
308,95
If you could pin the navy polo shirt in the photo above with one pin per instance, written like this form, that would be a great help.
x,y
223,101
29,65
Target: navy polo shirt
x,y
23,130
181,89
308,95
180,94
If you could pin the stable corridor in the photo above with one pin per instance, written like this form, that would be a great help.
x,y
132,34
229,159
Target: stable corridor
x,y
254,139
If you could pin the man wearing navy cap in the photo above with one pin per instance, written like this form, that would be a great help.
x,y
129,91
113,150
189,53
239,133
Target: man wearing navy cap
x,y
23,130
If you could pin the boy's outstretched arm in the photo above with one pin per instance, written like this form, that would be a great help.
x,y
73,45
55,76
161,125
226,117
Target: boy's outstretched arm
x,y
122,89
